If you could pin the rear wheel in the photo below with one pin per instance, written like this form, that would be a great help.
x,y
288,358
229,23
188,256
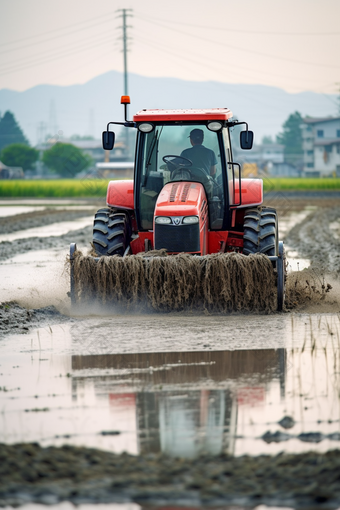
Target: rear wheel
x,y
111,232
261,236
261,231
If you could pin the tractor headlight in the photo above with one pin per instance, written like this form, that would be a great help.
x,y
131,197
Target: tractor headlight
x,y
146,127
214,125
190,220
162,220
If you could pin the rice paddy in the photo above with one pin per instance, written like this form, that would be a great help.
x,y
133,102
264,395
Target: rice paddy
x,y
96,188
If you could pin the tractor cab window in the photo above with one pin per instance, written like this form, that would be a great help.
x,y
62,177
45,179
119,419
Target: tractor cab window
x,y
180,153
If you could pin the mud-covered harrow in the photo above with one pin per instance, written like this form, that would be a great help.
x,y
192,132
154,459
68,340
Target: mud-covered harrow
x,y
221,282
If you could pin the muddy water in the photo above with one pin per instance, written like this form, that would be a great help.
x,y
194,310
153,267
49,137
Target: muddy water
x,y
180,385
177,383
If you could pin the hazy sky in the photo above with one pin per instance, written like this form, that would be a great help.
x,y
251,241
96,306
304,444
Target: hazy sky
x,y
291,44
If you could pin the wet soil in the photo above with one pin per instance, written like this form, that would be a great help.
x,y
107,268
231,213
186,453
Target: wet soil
x,y
19,246
30,473
38,219
16,319
50,475
33,219
318,238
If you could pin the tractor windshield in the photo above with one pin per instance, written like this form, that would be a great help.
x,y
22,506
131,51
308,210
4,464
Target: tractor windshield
x,y
175,153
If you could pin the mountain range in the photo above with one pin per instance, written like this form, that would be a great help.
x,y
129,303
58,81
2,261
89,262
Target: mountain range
x,y
85,109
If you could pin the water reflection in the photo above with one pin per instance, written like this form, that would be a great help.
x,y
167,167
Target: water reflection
x,y
180,403
54,390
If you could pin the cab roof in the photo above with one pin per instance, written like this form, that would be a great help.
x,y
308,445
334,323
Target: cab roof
x,y
182,115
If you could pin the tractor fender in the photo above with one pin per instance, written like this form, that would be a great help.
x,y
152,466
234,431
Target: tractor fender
x,y
120,194
251,192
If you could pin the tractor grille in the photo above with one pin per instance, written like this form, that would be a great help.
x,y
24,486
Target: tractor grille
x,y
177,238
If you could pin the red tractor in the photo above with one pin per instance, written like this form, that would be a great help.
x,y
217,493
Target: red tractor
x,y
187,194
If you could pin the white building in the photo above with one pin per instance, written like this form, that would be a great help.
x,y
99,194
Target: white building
x,y
321,146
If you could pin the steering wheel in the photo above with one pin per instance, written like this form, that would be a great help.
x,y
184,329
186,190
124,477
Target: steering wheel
x,y
184,163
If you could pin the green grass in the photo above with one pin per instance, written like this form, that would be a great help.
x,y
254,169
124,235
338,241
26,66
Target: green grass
x,y
96,188
61,188
300,184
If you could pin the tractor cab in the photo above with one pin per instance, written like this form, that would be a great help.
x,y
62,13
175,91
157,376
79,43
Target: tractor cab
x,y
166,155
191,146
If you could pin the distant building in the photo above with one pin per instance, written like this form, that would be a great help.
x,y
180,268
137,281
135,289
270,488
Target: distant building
x,y
93,148
321,146
115,170
264,153
265,157
283,170
11,172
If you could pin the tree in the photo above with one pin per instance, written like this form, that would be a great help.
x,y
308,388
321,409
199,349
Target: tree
x,y
19,154
291,138
66,159
10,131
267,140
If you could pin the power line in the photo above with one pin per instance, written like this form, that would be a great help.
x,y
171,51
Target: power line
x,y
59,30
202,63
238,48
228,29
53,38
51,57
253,96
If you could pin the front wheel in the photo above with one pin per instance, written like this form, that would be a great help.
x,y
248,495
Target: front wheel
x,y
261,231
111,232
261,236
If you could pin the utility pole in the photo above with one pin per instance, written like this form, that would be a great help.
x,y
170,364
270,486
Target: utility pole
x,y
124,14
338,98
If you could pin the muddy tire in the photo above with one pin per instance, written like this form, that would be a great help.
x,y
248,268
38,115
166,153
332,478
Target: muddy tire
x,y
111,232
261,231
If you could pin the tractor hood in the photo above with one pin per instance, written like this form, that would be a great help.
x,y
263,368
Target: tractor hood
x,y
181,199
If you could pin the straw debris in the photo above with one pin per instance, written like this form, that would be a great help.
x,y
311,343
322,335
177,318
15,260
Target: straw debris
x,y
155,281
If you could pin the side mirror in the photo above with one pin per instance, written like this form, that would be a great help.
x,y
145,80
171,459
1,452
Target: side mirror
x,y
246,139
108,139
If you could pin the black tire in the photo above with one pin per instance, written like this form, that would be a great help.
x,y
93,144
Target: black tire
x,y
111,232
281,275
261,231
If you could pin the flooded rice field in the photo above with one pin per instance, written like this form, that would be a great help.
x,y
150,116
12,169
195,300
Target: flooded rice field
x,y
163,409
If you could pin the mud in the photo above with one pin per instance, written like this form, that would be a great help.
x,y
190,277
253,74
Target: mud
x,y
82,386
16,319
36,219
30,473
19,246
308,287
318,238
33,219
220,282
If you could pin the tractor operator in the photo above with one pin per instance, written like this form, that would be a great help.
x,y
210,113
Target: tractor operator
x,y
201,156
